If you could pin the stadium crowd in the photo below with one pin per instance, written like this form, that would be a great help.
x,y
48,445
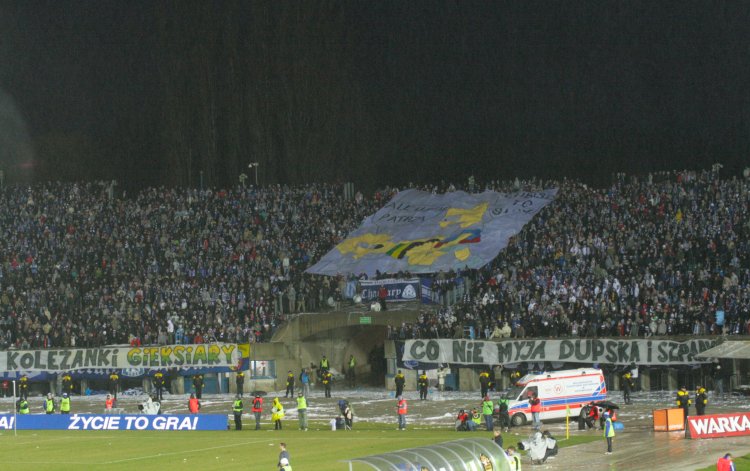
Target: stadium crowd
x,y
81,267
668,254
664,254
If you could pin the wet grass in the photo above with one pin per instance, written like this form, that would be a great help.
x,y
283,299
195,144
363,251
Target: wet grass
x,y
741,463
317,449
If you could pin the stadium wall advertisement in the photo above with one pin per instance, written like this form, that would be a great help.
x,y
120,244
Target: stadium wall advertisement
x,y
719,425
201,422
614,351
227,355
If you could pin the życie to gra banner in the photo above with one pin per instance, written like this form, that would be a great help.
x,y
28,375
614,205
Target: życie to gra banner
x,y
123,357
420,232
114,422
612,351
719,425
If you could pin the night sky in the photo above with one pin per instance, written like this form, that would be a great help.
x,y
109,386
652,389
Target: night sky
x,y
156,93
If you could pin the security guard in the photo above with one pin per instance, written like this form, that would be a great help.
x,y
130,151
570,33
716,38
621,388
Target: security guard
x,y
67,383
114,383
23,406
484,382
683,401
302,411
237,410
240,380
701,400
49,404
627,386
400,381
324,365
23,387
289,384
257,410
198,385
422,383
65,404
159,385
327,382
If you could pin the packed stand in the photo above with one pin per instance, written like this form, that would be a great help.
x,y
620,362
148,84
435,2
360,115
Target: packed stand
x,y
668,254
81,267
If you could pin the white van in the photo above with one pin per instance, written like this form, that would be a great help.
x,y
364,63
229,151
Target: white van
x,y
557,390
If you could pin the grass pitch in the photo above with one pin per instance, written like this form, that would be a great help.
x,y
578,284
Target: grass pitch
x,y
318,449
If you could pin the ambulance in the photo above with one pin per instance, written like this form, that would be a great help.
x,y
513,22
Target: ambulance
x,y
558,391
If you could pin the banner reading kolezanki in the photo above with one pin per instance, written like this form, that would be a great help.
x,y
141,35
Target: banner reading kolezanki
x,y
613,351
53,360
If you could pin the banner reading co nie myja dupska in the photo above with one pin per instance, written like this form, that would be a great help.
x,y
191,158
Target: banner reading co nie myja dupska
x,y
215,355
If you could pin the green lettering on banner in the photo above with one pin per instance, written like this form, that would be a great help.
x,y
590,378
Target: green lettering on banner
x,y
566,350
153,359
38,360
476,352
200,355
682,352
417,350
597,350
65,365
538,351
90,358
166,356
228,349
365,320
504,352
52,360
611,348
77,360
663,356
27,361
433,350
213,354
622,351
179,355
635,353
583,355
459,351
10,363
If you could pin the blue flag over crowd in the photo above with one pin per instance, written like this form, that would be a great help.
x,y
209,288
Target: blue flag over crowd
x,y
421,232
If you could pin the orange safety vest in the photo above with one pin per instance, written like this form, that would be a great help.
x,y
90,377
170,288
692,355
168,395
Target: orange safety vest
x,y
402,407
109,403
193,405
536,405
257,404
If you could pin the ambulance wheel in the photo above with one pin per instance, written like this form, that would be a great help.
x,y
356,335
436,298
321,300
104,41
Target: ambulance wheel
x,y
518,420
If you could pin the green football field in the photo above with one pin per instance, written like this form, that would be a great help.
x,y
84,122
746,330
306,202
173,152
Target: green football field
x,y
318,449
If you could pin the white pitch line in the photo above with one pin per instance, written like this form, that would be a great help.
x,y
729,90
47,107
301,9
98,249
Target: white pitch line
x,y
185,452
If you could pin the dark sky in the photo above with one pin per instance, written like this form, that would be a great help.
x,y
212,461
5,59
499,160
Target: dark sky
x,y
373,92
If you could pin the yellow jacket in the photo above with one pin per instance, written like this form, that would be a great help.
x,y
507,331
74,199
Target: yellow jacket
x,y
277,412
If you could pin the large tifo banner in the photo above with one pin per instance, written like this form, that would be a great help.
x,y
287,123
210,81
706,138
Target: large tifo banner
x,y
419,232
398,290
613,351
229,355
114,422
719,425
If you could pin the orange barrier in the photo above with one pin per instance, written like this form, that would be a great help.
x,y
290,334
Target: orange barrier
x,y
667,420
